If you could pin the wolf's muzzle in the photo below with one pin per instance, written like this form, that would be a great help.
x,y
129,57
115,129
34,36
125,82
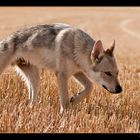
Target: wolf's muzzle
x,y
118,89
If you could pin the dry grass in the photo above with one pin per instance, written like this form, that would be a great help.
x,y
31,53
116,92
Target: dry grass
x,y
104,112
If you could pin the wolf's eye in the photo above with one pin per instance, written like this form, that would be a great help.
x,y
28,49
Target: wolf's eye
x,y
108,73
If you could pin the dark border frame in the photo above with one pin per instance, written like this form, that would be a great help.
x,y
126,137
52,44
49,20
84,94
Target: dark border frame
x,y
70,3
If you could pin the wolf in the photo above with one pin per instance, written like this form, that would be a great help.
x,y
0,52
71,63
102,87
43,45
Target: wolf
x,y
68,51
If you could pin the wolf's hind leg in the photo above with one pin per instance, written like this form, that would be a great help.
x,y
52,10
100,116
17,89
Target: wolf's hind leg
x,y
30,75
2,68
86,92
4,63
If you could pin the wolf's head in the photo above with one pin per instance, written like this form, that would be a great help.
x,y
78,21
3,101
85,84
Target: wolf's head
x,y
105,68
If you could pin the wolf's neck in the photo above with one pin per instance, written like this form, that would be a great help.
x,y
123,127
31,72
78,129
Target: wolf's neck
x,y
82,57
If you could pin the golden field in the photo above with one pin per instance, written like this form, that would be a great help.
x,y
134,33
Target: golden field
x,y
105,112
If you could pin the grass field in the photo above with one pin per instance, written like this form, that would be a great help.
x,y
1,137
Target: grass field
x,y
104,112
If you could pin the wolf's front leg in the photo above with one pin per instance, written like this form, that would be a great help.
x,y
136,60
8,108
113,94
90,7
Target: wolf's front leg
x,y
86,92
62,81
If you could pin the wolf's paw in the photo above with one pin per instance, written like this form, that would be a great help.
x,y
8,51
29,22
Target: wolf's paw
x,y
64,110
72,99
61,110
30,103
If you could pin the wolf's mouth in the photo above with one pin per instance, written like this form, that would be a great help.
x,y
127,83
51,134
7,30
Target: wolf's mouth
x,y
109,90
104,87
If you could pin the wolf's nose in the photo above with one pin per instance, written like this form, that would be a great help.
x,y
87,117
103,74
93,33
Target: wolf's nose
x,y
118,89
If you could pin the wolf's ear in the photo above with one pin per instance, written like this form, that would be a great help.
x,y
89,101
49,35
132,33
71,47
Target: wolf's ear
x,y
111,49
97,50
